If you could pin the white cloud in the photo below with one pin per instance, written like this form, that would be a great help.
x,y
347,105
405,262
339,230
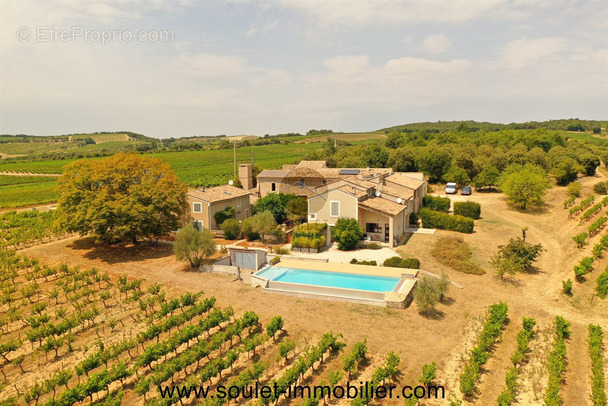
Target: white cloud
x,y
255,29
252,31
208,65
524,51
409,65
437,43
367,12
349,68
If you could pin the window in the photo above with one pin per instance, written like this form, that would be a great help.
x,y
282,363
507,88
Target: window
x,y
334,208
312,216
301,183
197,207
198,224
273,186
238,202
372,227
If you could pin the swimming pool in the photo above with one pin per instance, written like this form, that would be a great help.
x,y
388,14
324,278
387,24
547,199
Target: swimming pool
x,y
340,280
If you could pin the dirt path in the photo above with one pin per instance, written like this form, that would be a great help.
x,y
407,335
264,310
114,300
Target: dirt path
x,y
493,381
578,369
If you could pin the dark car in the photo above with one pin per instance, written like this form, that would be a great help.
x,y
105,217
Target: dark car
x,y
466,190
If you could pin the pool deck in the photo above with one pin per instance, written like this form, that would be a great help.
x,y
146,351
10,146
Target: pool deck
x,y
347,268
399,298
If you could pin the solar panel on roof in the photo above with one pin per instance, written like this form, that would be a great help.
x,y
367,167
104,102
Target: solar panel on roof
x,y
348,172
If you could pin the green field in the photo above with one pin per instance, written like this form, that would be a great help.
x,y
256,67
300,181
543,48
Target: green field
x,y
24,180
34,166
350,137
37,148
215,167
27,194
195,168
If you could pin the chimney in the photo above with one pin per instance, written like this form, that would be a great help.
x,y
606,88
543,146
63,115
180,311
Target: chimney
x,y
246,176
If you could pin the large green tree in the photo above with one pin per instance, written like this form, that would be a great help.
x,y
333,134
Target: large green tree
x,y
260,224
434,162
402,160
488,177
566,170
120,198
276,203
525,185
458,175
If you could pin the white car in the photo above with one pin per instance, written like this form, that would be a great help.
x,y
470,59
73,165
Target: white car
x,y
450,188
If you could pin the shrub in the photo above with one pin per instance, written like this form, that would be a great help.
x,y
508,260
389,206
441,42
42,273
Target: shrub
x,y
601,188
574,189
567,286
429,374
357,262
444,221
347,232
259,225
580,239
569,201
414,218
467,209
275,324
602,285
231,228
372,246
310,230
398,262
516,256
455,253
281,250
309,235
582,205
426,294
436,203
221,216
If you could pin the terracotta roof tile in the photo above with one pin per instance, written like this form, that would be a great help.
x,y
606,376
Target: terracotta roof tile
x,y
402,178
383,205
352,190
217,193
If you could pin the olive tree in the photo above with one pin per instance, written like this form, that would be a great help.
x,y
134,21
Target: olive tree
x,y
194,245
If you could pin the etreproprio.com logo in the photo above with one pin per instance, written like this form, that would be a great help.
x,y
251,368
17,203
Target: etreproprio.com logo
x,y
102,37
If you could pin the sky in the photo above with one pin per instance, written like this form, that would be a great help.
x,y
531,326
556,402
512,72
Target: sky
x,y
175,68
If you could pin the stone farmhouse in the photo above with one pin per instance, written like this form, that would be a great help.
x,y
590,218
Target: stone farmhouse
x,y
379,198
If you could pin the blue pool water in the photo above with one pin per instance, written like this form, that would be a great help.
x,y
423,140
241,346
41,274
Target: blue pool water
x,y
330,279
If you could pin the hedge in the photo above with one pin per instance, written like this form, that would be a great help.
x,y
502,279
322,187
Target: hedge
x,y
308,235
468,209
436,203
305,242
363,262
398,262
444,221
310,230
